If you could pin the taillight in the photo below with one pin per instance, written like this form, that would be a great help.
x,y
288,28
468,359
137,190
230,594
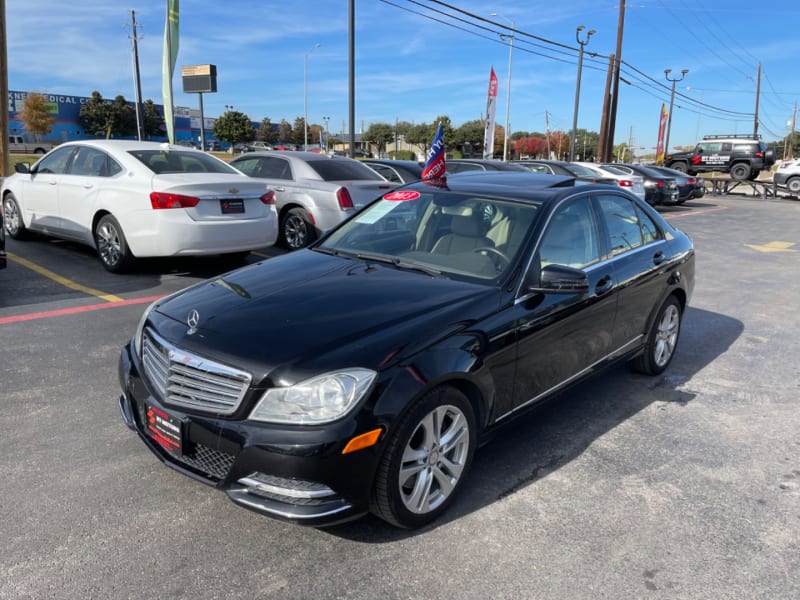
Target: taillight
x,y
344,199
625,183
660,184
759,155
268,198
160,200
691,181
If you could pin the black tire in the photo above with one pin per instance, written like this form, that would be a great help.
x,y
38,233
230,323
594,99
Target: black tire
x,y
662,339
426,460
753,174
112,248
680,166
297,230
793,185
12,218
740,171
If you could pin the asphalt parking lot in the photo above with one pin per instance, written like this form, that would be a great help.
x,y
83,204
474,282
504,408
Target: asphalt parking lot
x,y
681,486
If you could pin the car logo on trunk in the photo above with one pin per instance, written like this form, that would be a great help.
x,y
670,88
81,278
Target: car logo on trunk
x,y
233,191
193,320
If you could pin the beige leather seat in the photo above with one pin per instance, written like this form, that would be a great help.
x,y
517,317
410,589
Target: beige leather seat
x,y
466,234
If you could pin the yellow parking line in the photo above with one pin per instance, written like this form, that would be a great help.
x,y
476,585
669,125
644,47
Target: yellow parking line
x,y
63,280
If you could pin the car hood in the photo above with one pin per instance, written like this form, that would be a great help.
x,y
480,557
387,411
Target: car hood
x,y
303,313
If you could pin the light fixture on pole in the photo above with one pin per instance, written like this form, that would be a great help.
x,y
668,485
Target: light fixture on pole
x,y
228,107
581,43
510,39
305,96
671,102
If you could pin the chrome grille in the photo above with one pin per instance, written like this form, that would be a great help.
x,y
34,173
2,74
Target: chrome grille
x,y
184,379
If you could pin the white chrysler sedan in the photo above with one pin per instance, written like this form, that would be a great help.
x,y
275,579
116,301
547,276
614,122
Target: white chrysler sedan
x,y
131,199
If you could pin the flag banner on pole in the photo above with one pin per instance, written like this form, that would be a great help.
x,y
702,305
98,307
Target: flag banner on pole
x,y
434,169
491,106
169,58
662,127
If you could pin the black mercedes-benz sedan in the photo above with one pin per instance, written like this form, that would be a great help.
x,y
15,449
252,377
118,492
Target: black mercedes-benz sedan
x,y
360,374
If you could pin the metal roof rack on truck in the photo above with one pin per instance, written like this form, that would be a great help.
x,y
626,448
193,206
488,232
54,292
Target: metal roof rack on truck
x,y
740,136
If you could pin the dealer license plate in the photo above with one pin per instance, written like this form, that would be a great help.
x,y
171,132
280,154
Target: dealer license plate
x,y
165,429
232,207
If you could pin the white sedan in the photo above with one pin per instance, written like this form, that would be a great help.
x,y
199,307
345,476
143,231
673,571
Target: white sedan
x,y
130,199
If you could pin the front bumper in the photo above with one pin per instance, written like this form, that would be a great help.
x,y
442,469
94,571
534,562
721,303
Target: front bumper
x,y
295,473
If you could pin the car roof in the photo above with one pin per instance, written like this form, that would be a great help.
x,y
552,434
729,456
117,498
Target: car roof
x,y
392,162
298,154
126,145
520,185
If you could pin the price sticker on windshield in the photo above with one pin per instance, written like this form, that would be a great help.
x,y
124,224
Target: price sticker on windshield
x,y
401,196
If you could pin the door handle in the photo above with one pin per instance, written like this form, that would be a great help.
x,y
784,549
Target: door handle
x,y
279,189
604,285
88,186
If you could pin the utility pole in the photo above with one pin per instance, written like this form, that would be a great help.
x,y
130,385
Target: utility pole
x,y
547,131
758,94
4,164
582,44
612,120
137,78
602,140
671,101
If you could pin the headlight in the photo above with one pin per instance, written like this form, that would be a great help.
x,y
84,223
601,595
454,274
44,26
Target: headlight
x,y
137,338
317,400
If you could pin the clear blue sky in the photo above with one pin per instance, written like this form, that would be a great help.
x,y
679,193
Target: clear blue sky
x,y
419,59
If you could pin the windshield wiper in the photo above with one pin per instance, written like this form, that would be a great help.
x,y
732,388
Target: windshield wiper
x,y
400,264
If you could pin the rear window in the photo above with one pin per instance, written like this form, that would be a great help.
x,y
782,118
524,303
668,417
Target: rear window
x,y
343,170
179,161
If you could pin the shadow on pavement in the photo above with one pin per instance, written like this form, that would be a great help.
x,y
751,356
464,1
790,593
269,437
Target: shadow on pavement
x,y
552,435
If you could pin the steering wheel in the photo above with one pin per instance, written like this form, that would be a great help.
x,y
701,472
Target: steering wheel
x,y
488,250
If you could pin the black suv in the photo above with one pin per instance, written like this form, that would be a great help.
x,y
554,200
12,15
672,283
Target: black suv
x,y
741,155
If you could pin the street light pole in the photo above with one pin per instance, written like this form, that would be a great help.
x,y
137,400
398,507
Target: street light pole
x,y
508,89
671,102
583,43
305,97
327,134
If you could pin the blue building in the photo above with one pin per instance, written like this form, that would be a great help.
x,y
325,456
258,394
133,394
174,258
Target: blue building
x,y
66,127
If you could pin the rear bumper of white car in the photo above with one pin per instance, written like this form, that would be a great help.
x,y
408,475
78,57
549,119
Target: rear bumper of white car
x,y
174,233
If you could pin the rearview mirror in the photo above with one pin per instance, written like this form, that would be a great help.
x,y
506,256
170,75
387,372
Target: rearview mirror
x,y
22,167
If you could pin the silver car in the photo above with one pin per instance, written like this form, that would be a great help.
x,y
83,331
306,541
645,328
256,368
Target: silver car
x,y
313,191
632,183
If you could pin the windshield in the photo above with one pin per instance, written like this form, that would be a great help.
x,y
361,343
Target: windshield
x,y
181,161
438,232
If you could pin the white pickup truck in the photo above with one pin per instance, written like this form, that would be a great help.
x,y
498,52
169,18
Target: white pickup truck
x,y
17,144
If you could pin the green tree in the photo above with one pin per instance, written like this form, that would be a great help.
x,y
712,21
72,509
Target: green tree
x,y
469,136
234,127
35,115
123,117
153,124
299,131
266,131
379,134
285,133
447,130
420,135
101,117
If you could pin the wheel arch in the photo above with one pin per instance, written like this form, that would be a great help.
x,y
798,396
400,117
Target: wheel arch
x,y
99,214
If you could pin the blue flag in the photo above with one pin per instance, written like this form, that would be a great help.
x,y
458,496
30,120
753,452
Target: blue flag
x,y
434,169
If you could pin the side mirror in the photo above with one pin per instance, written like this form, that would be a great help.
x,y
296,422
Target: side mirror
x,y
22,167
561,279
